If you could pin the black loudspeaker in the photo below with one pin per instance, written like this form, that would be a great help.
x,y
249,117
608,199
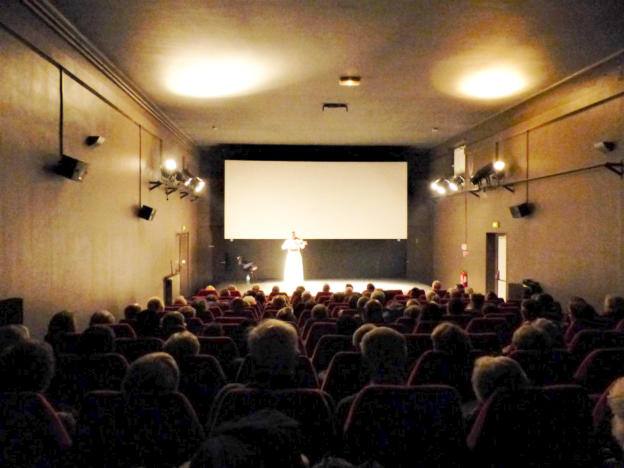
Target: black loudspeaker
x,y
522,210
146,212
71,168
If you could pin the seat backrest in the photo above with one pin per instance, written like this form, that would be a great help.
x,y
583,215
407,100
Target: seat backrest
x,y
327,347
134,348
461,320
491,325
585,341
346,375
534,427
545,368
417,344
312,408
436,367
201,378
222,348
425,326
141,429
316,331
600,368
402,426
488,342
31,433
305,375
67,343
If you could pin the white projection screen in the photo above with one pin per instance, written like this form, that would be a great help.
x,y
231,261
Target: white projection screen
x,y
318,200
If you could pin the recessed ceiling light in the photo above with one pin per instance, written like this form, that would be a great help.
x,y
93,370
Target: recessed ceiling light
x,y
493,83
350,80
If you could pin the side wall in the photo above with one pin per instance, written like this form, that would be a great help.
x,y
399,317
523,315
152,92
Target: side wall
x,y
327,258
65,244
573,242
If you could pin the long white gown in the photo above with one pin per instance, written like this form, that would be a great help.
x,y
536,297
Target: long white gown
x,y
293,269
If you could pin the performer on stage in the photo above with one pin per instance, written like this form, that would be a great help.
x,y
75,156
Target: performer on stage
x,y
293,270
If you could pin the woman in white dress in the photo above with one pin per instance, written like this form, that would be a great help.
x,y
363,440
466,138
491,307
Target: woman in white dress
x,y
293,270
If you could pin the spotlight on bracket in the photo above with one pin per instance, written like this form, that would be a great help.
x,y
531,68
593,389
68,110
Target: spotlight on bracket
x,y
95,140
604,146
146,212
443,185
485,174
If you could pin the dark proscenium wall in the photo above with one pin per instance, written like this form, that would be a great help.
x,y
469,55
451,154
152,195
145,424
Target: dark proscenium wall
x,y
326,258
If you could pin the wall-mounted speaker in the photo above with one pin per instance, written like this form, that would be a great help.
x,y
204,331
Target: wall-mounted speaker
x,y
71,168
522,210
146,212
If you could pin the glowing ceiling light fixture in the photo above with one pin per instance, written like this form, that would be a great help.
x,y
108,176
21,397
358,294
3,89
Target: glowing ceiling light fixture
x,y
351,80
499,165
453,186
493,83
218,77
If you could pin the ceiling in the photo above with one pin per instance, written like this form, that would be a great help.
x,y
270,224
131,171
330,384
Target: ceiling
x,y
411,56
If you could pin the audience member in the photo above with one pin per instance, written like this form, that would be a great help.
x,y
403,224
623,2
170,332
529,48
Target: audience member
x,y
12,334
431,312
154,373
179,301
182,344
436,287
319,312
27,366
494,373
279,302
379,295
613,308
97,339
431,296
172,322
286,314
326,288
187,311
202,311
346,325
529,338
101,317
370,287
213,329
550,309
530,310
148,321
615,401
552,329
476,303
131,312
455,306
358,334
451,339
373,312
273,350
490,308
60,323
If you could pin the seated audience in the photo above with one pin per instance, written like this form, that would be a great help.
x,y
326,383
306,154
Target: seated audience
x,y
273,350
552,329
286,314
451,339
353,300
264,439
326,288
239,307
476,304
240,335
187,311
182,344
379,295
384,351
431,296
319,312
490,308
12,334
491,297
529,338
412,312
224,293
358,334
361,303
179,301
232,290
27,366
148,321
250,300
201,309
392,311
131,312
415,293
550,309
60,323
436,287
101,317
613,308
455,306
370,287
172,322
279,301
97,339
338,297
346,325
494,373
153,373
615,400
530,310
373,312
431,312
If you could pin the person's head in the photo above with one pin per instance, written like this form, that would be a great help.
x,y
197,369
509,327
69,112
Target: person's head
x,y
182,344
412,312
385,353
373,311
455,306
179,300
348,290
449,338
370,287
476,302
26,366
412,302
361,303
155,304
529,338
232,288
213,329
97,339
12,334
187,311
275,289
255,287
237,305
131,311
286,314
279,301
273,347
379,295
582,311
326,288
250,300
415,293
172,322
359,334
353,300
491,297
431,311
551,329
492,373
436,286
200,306
62,322
224,292
319,311
101,317
431,296
530,310
264,439
346,325
306,296
153,373
615,400
338,296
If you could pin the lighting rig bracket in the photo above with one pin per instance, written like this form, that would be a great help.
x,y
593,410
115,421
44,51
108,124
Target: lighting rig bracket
x,y
617,168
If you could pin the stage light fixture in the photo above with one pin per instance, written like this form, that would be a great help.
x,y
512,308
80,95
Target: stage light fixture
x,y
168,168
146,212
71,168
443,185
484,175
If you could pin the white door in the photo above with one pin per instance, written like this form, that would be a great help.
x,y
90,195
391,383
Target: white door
x,y
501,283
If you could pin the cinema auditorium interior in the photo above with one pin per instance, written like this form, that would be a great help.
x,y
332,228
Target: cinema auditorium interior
x,y
312,233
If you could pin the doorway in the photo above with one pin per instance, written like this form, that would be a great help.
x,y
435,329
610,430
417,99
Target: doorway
x,y
183,262
496,264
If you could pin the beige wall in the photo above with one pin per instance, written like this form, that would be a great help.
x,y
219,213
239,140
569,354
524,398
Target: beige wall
x,y
70,245
573,242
